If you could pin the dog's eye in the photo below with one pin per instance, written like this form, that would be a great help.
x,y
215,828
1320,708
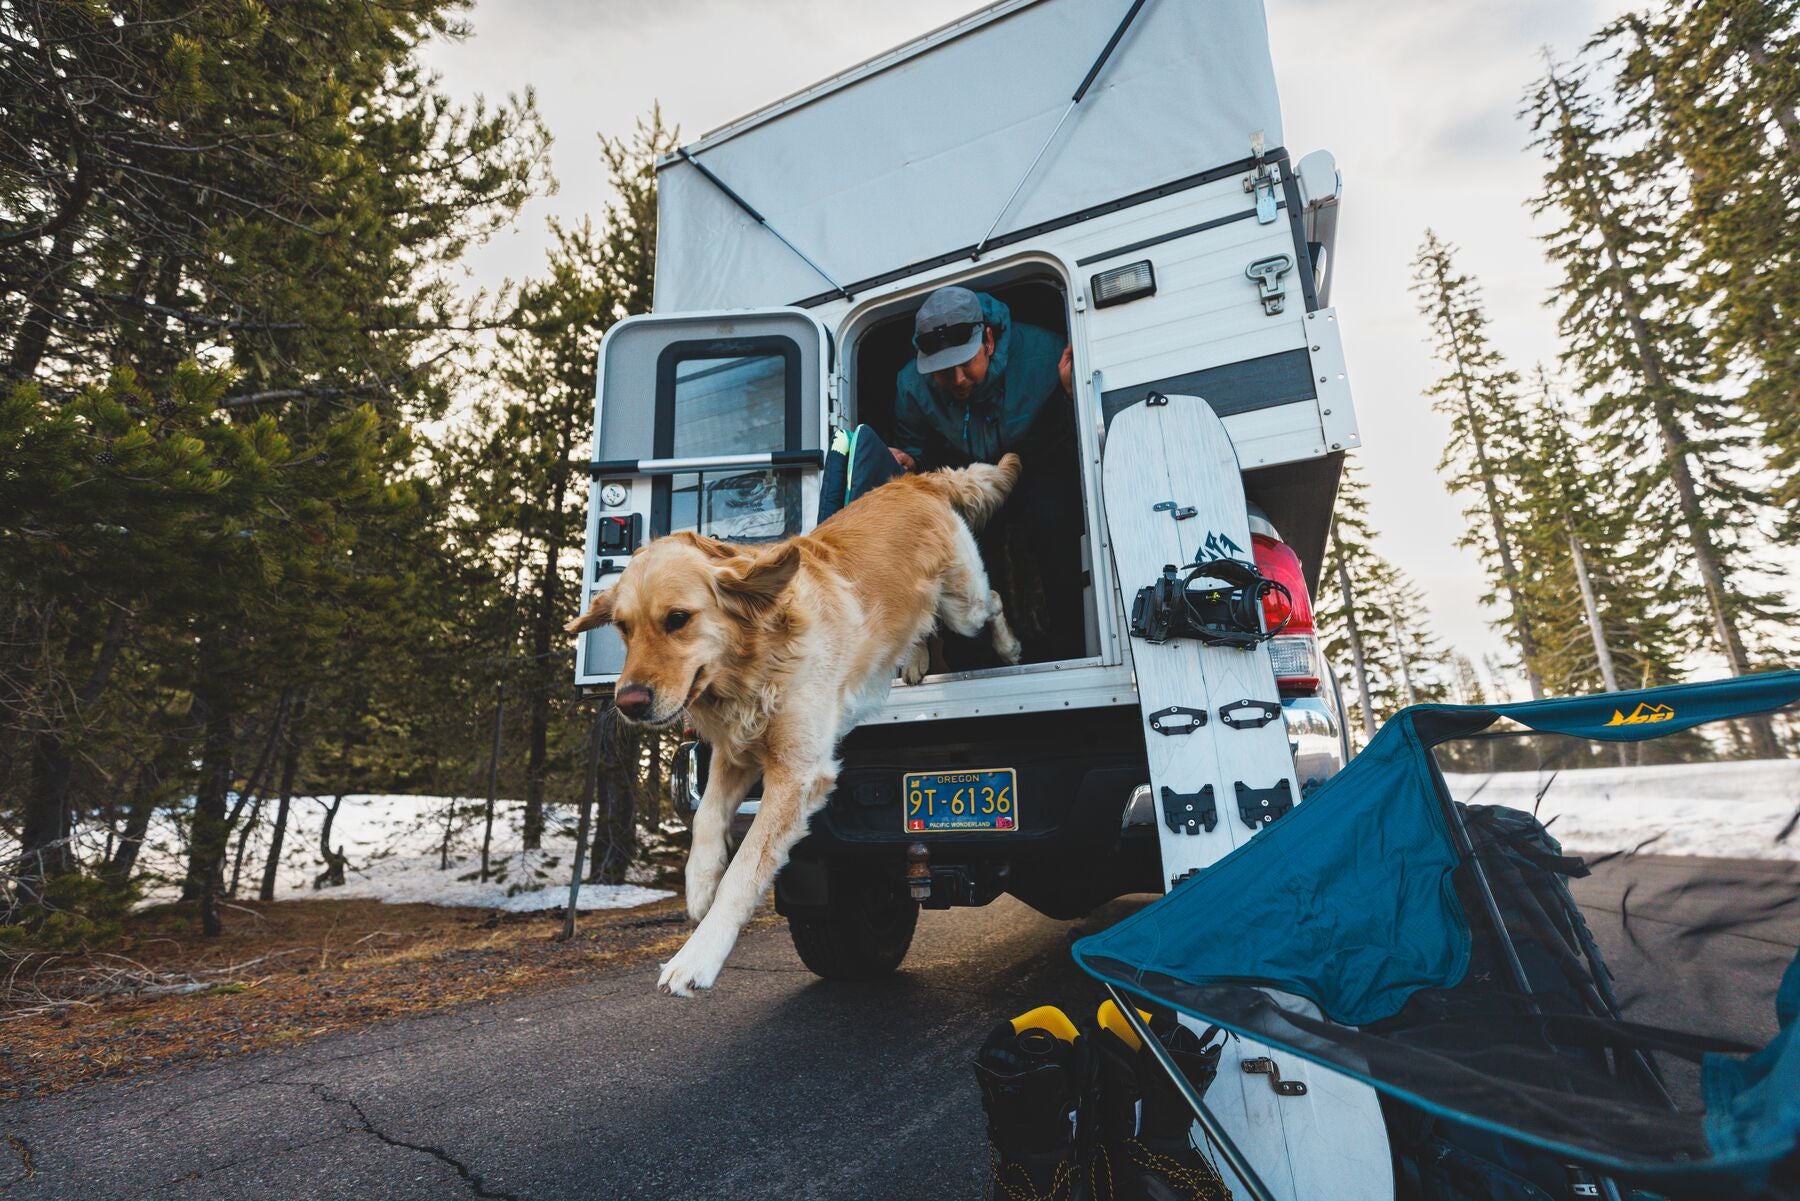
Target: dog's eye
x,y
675,621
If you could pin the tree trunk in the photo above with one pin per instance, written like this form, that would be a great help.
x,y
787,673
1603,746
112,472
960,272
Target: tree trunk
x,y
1509,575
615,841
247,827
449,829
137,824
290,766
544,629
493,776
1602,652
252,795
124,350
1356,644
40,307
49,823
654,783
536,760
1675,459
335,861
206,853
512,610
1401,654
596,737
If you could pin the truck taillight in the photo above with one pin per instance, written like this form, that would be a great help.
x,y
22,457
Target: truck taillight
x,y
1294,652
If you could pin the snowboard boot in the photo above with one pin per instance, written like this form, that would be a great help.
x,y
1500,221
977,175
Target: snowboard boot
x,y
1035,1074
1144,1150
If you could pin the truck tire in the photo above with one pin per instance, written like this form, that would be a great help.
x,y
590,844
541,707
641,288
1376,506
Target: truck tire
x,y
863,933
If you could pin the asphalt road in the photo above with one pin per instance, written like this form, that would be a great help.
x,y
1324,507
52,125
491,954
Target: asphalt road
x,y
774,1085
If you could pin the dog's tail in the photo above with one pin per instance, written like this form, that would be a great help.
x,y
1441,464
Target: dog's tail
x,y
979,489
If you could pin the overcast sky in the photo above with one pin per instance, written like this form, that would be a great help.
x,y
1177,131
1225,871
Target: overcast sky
x,y
1416,98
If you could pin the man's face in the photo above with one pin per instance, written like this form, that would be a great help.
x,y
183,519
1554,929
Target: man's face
x,y
961,381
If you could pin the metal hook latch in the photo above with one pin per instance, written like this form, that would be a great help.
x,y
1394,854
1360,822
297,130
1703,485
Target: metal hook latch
x,y
1261,182
1262,1065
1266,274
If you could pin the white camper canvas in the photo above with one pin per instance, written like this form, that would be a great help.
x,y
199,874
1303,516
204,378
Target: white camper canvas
x,y
915,153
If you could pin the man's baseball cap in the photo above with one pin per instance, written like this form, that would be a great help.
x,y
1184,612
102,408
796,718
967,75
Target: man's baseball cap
x,y
947,331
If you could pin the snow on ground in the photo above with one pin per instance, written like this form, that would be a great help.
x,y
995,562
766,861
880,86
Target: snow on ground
x,y
1728,810
396,846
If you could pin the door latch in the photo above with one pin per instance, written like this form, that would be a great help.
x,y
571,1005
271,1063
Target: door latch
x,y
1266,274
1262,1065
1261,182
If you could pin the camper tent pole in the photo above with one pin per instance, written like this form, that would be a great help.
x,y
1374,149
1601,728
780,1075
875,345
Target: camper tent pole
x,y
1214,1132
761,220
1086,83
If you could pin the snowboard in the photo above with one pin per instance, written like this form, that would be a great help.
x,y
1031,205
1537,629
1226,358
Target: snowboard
x,y
1175,496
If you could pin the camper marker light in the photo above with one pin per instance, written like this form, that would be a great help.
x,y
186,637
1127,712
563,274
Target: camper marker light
x,y
1130,282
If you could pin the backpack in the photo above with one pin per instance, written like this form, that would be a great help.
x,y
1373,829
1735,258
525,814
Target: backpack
x,y
1441,1160
859,461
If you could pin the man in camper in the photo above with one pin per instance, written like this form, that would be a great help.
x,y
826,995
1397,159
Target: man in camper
x,y
982,385
979,384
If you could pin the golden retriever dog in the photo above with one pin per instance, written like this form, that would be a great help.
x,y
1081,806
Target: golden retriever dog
x,y
776,651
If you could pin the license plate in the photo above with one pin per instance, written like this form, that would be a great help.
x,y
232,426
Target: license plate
x,y
987,799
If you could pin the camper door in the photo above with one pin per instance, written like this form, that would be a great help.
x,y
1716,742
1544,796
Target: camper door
x,y
712,422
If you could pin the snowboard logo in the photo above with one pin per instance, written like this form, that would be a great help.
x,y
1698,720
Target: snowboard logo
x,y
1643,715
1218,546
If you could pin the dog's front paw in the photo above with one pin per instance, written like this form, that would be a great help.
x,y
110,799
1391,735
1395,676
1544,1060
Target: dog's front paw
x,y
694,967
1009,650
917,665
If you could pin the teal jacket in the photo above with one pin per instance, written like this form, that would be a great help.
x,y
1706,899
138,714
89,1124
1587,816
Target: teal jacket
x,y
941,431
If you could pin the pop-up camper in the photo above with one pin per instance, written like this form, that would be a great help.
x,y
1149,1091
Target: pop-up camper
x,y
1114,173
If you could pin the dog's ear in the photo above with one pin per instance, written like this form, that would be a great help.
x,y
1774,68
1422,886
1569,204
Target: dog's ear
x,y
600,612
750,581
712,548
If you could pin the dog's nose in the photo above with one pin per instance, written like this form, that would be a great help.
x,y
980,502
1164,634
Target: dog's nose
x,y
634,701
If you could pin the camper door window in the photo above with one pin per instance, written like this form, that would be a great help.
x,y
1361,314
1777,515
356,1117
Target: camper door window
x,y
729,396
730,405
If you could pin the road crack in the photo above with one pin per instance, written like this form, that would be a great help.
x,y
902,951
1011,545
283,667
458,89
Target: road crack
x,y
473,1179
27,1166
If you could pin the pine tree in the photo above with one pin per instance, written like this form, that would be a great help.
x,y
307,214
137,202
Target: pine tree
x,y
1348,618
277,192
1373,616
1714,87
1638,352
102,495
1597,599
1480,396
1466,685
540,415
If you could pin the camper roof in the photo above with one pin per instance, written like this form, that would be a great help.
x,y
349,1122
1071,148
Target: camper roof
x,y
913,154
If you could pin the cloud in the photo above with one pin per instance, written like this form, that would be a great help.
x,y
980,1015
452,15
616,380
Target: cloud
x,y
1481,135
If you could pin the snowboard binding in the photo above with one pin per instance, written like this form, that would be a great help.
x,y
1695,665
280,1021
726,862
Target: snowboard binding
x,y
1224,610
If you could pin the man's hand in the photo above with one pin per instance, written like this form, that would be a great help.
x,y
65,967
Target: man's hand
x,y
901,457
1065,366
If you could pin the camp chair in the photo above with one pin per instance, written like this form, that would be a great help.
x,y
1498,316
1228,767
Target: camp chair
x,y
1457,975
